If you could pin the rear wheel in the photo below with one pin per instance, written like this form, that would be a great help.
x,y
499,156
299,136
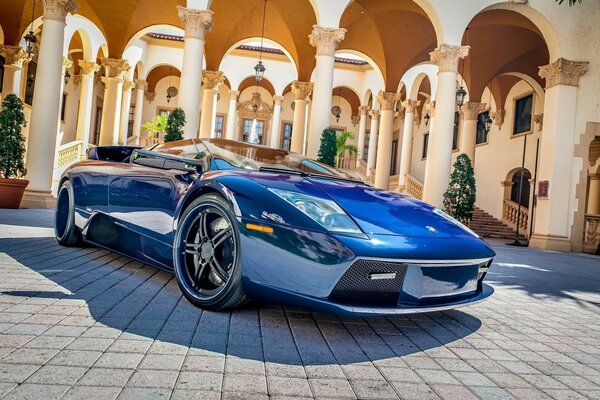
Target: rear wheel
x,y
65,231
207,255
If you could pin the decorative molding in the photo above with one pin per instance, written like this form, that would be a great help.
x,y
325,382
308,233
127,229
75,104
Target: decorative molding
x,y
430,108
363,110
58,9
563,72
447,57
410,106
326,39
77,80
374,113
233,95
539,120
150,96
212,79
277,100
88,67
263,112
470,110
355,120
417,119
196,22
302,90
141,84
13,55
387,100
67,64
400,114
498,117
128,85
115,67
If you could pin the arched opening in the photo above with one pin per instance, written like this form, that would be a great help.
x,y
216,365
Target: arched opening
x,y
520,188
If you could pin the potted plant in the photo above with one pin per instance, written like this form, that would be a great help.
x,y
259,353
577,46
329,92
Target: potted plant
x,y
155,129
12,152
459,199
342,147
327,149
175,123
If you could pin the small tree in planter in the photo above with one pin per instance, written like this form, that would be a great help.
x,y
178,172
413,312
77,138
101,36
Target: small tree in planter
x,y
459,199
175,123
12,152
328,148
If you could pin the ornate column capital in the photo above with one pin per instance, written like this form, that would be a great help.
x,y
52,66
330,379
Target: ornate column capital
x,y
387,100
141,84
355,120
115,67
13,55
150,96
563,72
326,39
498,117
302,90
195,22
539,120
88,67
374,113
128,85
430,108
447,57
363,110
277,100
470,110
212,79
58,9
67,63
410,105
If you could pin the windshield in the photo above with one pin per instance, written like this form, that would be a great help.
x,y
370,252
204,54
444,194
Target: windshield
x,y
255,157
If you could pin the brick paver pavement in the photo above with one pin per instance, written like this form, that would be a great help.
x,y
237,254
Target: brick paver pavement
x,y
86,323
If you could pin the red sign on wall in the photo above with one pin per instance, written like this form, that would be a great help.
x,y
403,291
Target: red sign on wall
x,y
543,189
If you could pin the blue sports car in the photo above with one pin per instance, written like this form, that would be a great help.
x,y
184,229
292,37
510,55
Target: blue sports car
x,y
236,221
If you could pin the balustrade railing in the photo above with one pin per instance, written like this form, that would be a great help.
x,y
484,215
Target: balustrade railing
x,y
413,187
510,216
393,184
347,163
68,153
591,233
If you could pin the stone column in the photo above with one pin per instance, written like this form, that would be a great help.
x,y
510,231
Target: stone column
x,y
373,140
13,68
362,128
326,41
212,80
302,91
407,136
232,115
553,214
468,132
276,126
113,96
41,143
125,105
196,24
593,205
84,122
387,101
140,87
439,158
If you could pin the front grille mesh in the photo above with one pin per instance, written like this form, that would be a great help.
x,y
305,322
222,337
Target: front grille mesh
x,y
356,286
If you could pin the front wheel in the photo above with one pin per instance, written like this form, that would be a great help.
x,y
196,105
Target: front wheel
x,y
207,255
65,231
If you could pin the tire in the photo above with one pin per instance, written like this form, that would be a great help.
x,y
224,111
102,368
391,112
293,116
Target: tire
x,y
206,255
65,231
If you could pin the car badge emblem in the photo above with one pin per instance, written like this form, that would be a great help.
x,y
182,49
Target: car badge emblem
x,y
273,217
431,229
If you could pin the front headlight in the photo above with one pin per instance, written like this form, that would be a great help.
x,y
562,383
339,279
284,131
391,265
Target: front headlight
x,y
325,212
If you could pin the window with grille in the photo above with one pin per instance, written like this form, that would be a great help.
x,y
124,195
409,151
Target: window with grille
x,y
219,123
286,136
251,127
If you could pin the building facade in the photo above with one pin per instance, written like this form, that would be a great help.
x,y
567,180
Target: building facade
x,y
387,71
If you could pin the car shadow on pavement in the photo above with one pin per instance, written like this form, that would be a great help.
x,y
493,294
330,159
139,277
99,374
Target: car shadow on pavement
x,y
97,288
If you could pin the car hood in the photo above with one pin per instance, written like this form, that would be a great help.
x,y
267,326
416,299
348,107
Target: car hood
x,y
380,212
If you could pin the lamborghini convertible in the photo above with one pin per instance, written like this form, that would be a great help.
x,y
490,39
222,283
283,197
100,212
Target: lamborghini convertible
x,y
236,221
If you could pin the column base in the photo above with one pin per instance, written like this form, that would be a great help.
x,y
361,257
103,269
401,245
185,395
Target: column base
x,y
401,188
38,199
550,242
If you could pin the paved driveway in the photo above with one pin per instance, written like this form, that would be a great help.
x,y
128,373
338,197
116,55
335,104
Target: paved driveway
x,y
87,323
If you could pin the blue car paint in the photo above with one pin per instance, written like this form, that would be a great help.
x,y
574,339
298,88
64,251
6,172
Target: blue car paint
x,y
300,262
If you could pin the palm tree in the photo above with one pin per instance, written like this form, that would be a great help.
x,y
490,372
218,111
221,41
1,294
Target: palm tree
x,y
156,128
341,147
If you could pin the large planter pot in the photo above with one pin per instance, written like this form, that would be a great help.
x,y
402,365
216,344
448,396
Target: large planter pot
x,y
11,192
